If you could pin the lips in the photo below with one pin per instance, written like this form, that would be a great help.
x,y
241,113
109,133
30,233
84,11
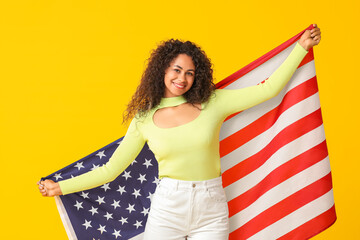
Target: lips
x,y
179,86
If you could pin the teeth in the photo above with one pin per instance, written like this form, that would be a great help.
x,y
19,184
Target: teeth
x,y
179,86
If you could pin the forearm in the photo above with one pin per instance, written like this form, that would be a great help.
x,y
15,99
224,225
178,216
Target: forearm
x,y
94,178
234,100
277,81
126,152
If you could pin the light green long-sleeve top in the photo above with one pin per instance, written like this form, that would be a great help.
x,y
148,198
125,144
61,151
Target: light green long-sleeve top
x,y
189,151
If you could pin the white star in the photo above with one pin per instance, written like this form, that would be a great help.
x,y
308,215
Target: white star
x,y
138,224
127,175
150,196
142,178
130,208
85,195
106,186
78,205
101,154
57,176
94,167
93,210
136,193
117,234
145,211
116,204
87,224
79,165
157,181
133,162
147,163
72,176
108,215
121,190
119,142
102,228
123,220
100,200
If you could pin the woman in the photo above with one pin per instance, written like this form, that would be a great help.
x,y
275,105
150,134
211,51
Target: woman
x,y
178,112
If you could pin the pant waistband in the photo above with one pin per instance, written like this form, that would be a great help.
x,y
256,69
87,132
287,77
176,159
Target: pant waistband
x,y
183,184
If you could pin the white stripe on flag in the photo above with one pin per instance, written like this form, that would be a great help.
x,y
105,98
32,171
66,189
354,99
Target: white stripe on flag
x,y
65,219
138,237
280,192
263,71
291,150
238,122
290,116
296,218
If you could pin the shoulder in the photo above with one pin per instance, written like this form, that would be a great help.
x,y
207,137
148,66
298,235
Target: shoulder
x,y
214,97
140,120
217,94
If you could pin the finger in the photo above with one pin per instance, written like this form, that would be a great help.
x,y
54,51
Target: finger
x,y
314,25
307,33
316,34
316,41
315,31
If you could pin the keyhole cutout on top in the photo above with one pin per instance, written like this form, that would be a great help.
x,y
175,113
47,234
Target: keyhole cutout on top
x,y
182,114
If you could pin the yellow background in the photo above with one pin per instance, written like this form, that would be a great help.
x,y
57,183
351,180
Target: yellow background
x,y
68,69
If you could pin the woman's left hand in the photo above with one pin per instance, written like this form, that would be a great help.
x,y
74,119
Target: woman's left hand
x,y
310,38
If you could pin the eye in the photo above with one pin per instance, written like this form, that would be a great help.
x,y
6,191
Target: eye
x,y
190,73
176,70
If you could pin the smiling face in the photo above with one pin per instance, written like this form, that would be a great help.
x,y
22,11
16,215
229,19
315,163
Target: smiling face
x,y
179,76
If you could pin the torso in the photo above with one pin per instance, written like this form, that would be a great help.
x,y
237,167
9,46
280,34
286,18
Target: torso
x,y
176,116
184,138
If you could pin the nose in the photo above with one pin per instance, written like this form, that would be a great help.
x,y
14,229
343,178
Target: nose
x,y
182,77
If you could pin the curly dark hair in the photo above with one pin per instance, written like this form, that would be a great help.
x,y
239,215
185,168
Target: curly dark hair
x,y
151,88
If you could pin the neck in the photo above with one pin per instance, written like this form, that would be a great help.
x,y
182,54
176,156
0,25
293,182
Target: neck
x,y
172,101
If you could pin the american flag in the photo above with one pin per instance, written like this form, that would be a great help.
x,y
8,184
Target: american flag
x,y
274,160
115,210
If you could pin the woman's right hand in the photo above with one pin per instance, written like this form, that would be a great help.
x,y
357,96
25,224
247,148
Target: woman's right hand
x,y
49,188
310,38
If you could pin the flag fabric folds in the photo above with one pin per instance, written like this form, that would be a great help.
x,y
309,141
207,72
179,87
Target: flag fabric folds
x,y
274,160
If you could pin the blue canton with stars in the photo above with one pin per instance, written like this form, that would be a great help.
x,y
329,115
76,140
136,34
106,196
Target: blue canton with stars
x,y
115,210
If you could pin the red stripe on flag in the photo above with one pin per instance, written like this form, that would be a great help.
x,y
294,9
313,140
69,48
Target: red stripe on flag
x,y
251,66
295,95
312,227
283,208
308,58
287,135
277,176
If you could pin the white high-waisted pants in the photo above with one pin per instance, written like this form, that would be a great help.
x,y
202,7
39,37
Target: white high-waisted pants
x,y
196,210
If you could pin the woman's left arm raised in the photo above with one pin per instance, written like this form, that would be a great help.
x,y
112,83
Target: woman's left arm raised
x,y
234,100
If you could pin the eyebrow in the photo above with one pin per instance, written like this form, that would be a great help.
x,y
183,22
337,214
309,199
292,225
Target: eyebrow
x,y
182,68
